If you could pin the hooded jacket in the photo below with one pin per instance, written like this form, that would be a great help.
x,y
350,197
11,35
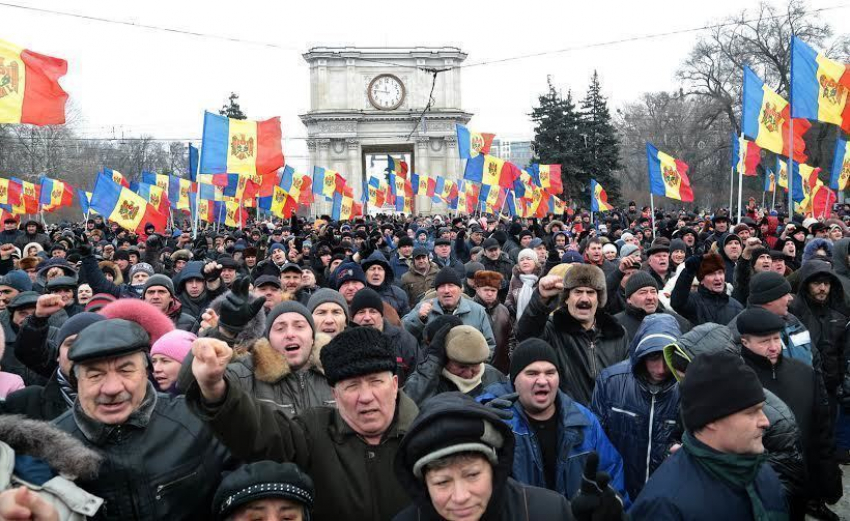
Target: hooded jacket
x,y
638,416
782,438
826,325
39,236
702,306
579,433
840,251
631,318
509,500
389,292
197,305
582,354
91,273
51,449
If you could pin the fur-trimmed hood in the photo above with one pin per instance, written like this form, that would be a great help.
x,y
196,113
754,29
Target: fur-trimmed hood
x,y
269,366
64,453
117,276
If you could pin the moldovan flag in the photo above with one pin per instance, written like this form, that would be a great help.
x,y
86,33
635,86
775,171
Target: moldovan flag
x,y
668,176
240,146
55,194
30,196
375,193
29,87
234,214
397,166
472,144
117,177
746,155
598,198
820,87
423,185
155,195
84,198
805,178
782,169
161,180
822,200
766,117
550,178
206,208
282,204
489,170
840,164
324,182
343,207
123,206
769,180
178,192
10,192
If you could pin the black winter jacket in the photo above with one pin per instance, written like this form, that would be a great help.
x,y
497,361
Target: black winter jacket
x,y
428,381
582,354
702,306
37,402
631,318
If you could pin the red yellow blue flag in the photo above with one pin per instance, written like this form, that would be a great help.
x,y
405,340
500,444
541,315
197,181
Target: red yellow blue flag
x,y
766,119
840,164
123,206
30,91
55,194
10,192
549,177
472,144
820,87
668,176
233,146
598,198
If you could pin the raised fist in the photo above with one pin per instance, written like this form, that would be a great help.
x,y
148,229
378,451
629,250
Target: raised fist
x,y
211,357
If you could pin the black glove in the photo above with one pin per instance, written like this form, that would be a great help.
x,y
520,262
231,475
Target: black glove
x,y
84,248
693,263
367,248
460,234
596,500
437,345
239,307
154,242
503,405
212,275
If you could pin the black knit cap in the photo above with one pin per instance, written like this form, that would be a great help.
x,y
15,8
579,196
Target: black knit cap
x,y
717,385
366,298
263,480
759,321
356,352
766,287
447,275
529,351
640,279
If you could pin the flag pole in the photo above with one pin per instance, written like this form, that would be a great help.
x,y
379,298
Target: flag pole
x,y
652,212
197,190
773,204
731,189
740,185
791,169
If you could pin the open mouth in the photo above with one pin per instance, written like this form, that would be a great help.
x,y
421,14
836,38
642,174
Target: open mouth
x,y
291,348
112,407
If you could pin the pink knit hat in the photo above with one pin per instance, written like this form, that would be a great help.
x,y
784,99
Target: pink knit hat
x,y
174,344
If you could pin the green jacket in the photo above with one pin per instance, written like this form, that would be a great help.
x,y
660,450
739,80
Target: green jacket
x,y
353,480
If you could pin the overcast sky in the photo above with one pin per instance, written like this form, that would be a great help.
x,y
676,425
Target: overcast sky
x,y
135,81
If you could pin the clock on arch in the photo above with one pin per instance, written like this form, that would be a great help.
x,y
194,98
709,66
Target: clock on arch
x,y
386,92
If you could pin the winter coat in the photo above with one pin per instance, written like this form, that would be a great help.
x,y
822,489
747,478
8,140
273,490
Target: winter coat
x,y
265,374
631,318
469,312
582,354
400,267
353,480
8,361
639,417
389,292
92,274
616,301
782,438
406,349
195,306
796,384
579,433
416,284
428,381
825,323
39,403
515,286
501,265
682,490
162,463
40,238
9,237
702,305
503,332
51,450
451,262
840,251
509,500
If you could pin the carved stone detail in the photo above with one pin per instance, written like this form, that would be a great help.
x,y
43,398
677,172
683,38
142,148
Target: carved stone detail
x,y
311,145
436,144
324,144
352,144
338,145
337,127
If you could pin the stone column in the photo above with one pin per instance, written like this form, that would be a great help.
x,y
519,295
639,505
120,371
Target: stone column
x,y
355,178
423,166
324,146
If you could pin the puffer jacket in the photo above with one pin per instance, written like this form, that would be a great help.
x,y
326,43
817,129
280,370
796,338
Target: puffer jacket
x,y
638,416
509,500
162,463
825,323
702,306
503,332
389,292
51,450
579,433
582,354
782,438
416,284
264,374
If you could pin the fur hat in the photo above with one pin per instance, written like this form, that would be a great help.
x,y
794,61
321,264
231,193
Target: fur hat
x,y
711,262
466,345
587,276
146,315
184,255
490,279
28,263
356,352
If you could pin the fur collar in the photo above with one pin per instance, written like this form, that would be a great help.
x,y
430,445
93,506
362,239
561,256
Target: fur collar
x,y
64,453
606,325
270,366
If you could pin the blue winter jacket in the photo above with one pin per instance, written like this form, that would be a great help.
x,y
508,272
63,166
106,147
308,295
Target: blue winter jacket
x,y
639,418
682,490
580,435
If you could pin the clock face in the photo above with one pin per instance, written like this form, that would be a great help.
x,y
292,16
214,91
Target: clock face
x,y
386,92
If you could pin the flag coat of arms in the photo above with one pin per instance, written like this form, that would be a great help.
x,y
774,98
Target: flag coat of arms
x,y
766,119
30,196
55,194
29,87
234,146
472,144
10,192
668,176
598,198
549,177
123,206
840,174
179,191
820,87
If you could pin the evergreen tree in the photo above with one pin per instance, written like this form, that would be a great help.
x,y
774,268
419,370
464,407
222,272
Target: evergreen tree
x,y
231,109
556,137
599,155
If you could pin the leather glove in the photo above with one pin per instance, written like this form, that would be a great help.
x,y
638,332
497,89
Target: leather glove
x,y
596,500
239,307
503,405
693,263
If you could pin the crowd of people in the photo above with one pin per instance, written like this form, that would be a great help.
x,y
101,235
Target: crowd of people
x,y
676,366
